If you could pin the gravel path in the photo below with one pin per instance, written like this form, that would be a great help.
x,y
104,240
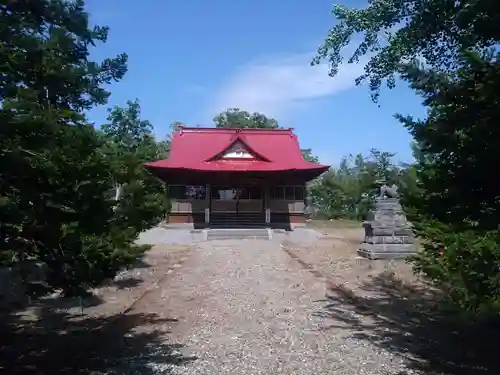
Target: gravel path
x,y
171,236
246,307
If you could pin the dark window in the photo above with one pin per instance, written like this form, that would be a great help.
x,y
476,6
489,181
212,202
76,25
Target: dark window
x,y
249,192
177,192
278,193
187,192
254,192
290,193
299,193
196,192
214,191
242,193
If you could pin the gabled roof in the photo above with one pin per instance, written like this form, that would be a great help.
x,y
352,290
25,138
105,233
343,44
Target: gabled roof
x,y
200,149
244,145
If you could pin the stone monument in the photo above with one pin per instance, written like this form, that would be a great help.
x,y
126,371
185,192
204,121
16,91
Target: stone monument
x,y
388,234
308,209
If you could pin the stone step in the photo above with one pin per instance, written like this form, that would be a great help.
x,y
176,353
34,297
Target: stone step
x,y
389,247
387,223
378,216
386,200
388,208
387,215
389,204
384,255
377,231
398,240
238,224
241,220
387,251
233,226
236,216
225,234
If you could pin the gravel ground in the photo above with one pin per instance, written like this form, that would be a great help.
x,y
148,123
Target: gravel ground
x,y
303,236
116,295
170,236
246,307
173,236
335,256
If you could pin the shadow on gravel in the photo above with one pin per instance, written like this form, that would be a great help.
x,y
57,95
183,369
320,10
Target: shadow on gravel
x,y
61,344
46,302
127,283
406,320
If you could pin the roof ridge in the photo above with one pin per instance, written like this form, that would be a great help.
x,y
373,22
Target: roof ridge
x,y
236,130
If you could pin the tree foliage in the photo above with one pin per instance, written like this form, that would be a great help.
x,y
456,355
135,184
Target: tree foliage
x,y
459,209
236,118
55,179
141,198
308,155
447,51
395,33
348,191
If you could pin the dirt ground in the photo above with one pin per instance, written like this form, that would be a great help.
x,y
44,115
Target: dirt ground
x,y
116,296
387,304
247,307
126,324
335,257
89,336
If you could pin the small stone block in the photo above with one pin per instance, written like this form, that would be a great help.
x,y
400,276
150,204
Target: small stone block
x,y
384,255
394,231
390,240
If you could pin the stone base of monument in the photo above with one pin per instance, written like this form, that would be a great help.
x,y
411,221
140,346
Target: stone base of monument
x,y
388,234
379,251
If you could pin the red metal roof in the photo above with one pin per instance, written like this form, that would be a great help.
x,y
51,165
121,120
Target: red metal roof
x,y
198,149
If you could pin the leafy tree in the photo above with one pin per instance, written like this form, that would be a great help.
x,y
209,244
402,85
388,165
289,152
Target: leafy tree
x,y
308,155
236,118
395,33
54,179
348,190
141,198
125,126
458,207
446,50
164,148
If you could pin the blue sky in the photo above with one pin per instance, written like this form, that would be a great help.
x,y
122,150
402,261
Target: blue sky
x,y
190,60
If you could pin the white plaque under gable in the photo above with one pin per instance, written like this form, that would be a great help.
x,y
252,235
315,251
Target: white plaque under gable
x,y
237,151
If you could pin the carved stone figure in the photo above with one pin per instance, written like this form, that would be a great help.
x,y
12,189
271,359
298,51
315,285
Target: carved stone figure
x,y
388,235
389,191
309,209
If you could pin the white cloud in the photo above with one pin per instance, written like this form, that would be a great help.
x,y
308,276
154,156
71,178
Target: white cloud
x,y
274,86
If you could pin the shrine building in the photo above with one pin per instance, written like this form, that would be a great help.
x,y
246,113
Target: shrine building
x,y
231,178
